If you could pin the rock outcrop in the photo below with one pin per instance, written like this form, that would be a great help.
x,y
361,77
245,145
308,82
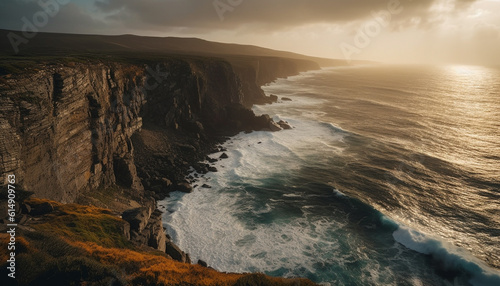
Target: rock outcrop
x,y
146,227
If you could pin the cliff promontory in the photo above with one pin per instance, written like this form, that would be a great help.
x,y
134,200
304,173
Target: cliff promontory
x,y
70,128
119,131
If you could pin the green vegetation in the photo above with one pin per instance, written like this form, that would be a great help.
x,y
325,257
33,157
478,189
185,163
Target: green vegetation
x,y
84,223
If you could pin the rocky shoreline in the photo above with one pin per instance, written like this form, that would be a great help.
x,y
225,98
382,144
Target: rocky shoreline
x,y
122,135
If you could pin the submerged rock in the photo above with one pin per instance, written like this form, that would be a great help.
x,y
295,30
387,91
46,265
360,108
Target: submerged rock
x,y
285,125
273,98
273,126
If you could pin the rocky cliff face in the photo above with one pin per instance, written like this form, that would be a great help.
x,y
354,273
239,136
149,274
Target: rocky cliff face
x,y
68,128
256,72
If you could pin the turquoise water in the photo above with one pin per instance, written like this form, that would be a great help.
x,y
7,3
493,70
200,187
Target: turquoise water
x,y
389,177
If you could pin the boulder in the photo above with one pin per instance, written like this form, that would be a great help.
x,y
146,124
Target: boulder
x,y
184,187
286,99
224,156
212,169
166,182
211,160
157,237
284,124
137,218
201,168
41,209
205,186
273,126
202,263
157,189
175,252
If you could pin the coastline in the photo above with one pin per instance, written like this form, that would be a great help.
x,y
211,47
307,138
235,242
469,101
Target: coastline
x,y
248,202
118,147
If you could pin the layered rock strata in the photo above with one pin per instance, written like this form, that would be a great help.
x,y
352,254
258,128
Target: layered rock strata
x,y
70,129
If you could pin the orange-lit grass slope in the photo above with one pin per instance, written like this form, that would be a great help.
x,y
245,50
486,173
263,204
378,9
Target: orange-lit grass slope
x,y
84,245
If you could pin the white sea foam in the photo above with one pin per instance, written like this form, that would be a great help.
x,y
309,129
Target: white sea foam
x,y
206,226
338,193
211,225
207,223
451,257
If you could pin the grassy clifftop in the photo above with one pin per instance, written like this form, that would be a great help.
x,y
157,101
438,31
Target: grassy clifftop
x,y
85,245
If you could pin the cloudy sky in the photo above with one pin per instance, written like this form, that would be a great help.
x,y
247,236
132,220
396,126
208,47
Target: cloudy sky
x,y
416,31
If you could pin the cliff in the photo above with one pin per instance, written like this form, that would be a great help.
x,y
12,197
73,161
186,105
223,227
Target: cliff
x,y
67,128
258,71
120,132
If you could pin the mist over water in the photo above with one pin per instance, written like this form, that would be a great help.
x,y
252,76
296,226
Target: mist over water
x,y
391,176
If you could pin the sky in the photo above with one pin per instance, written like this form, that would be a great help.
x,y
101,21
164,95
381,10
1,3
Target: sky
x,y
409,31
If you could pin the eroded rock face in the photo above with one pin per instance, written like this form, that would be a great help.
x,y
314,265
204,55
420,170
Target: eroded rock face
x,y
67,129
146,227
138,218
64,127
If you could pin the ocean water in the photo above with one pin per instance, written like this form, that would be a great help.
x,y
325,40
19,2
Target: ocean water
x,y
390,176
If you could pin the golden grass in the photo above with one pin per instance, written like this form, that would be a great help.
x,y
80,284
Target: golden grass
x,y
22,246
84,244
85,223
153,269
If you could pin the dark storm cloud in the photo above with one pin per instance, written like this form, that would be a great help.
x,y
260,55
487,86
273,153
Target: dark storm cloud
x,y
202,15
67,17
236,13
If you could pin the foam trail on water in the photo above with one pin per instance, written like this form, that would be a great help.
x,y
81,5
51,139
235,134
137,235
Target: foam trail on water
x,y
451,257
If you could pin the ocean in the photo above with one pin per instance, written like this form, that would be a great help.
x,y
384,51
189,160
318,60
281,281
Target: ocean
x,y
390,176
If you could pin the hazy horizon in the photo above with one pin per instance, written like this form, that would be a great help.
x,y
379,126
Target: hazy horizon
x,y
405,31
